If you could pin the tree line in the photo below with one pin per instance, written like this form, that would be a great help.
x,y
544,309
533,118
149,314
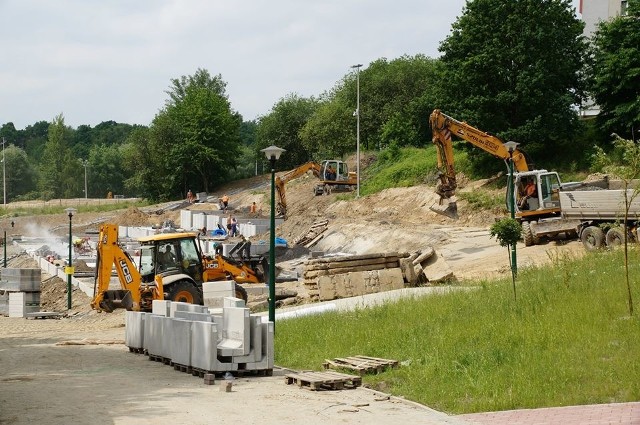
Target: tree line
x,y
519,69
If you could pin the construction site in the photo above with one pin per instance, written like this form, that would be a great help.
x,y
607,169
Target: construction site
x,y
390,243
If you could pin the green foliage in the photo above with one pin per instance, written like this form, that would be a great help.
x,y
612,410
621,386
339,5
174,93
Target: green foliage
x,y
614,72
622,161
57,176
282,127
512,68
568,341
479,199
403,167
507,231
20,174
328,133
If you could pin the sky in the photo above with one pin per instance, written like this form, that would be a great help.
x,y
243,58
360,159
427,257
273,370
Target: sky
x,y
95,61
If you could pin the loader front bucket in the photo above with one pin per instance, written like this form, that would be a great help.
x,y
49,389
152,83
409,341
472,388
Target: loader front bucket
x,y
451,211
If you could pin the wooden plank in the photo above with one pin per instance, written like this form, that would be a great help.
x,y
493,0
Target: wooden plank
x,y
353,257
313,241
323,380
342,270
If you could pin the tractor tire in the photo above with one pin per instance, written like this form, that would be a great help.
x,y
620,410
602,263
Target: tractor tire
x,y
592,238
615,237
184,292
241,293
527,236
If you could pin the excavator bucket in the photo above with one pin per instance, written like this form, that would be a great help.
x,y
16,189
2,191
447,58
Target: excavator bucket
x,y
451,211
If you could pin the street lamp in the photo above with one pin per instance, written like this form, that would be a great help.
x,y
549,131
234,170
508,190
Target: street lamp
x,y
511,146
69,269
272,153
85,164
357,115
4,178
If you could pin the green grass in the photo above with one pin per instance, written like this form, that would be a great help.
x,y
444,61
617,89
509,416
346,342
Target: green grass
x,y
480,199
567,340
404,167
50,210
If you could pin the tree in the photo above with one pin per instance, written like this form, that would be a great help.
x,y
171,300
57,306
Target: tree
x,y
19,173
282,127
513,68
59,169
328,132
615,72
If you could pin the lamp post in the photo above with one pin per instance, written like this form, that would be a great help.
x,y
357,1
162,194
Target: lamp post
x,y
85,164
272,153
511,146
4,178
69,269
357,114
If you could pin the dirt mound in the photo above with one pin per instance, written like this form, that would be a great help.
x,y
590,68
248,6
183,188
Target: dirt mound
x,y
132,217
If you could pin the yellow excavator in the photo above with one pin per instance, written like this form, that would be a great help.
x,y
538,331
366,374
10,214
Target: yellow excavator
x,y
542,201
171,266
333,174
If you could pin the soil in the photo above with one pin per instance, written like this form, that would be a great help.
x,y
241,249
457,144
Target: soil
x,y
101,382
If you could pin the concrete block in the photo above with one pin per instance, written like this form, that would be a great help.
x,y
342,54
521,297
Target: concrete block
x,y
161,307
194,317
167,337
233,302
436,269
255,353
390,279
18,305
23,280
214,292
134,329
235,332
180,346
153,334
408,272
185,219
204,354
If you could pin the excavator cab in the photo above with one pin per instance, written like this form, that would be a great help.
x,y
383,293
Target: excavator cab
x,y
335,176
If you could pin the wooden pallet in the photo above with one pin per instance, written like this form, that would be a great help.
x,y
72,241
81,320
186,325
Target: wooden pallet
x,y
323,380
360,364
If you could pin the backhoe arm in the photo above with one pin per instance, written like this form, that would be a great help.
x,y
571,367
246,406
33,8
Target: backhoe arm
x,y
280,181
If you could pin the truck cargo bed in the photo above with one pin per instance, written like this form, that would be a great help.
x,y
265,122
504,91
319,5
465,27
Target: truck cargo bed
x,y
599,205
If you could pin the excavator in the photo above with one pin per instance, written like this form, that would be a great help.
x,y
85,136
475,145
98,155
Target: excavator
x,y
541,202
334,175
171,267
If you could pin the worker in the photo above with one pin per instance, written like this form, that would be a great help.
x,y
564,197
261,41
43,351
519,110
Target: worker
x,y
331,173
167,259
109,195
225,202
254,208
190,196
529,191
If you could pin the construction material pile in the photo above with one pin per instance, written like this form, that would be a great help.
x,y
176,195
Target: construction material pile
x,y
19,291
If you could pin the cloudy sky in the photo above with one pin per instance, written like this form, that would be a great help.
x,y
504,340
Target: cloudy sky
x,y
96,61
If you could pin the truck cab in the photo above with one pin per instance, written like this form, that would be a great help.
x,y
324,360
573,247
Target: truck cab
x,y
545,201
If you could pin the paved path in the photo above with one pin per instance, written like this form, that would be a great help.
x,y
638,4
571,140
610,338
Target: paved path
x,y
595,414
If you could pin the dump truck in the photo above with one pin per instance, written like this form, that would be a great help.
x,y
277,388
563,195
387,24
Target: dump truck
x,y
171,266
598,217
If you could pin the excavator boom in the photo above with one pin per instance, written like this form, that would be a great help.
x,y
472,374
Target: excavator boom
x,y
442,127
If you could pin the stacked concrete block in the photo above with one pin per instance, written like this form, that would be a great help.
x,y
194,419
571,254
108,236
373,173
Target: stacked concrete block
x,y
185,219
176,306
233,302
236,330
198,221
161,308
213,293
180,347
20,290
134,330
210,343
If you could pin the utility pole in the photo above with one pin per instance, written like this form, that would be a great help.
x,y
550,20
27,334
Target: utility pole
x,y
357,114
4,176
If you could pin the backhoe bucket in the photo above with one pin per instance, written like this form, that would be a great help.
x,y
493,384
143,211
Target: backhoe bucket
x,y
451,211
114,299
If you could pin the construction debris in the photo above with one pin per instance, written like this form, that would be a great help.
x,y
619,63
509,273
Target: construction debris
x,y
313,235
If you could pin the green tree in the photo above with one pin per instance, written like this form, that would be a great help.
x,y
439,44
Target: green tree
x,y
328,132
58,176
615,72
106,171
19,173
513,68
282,127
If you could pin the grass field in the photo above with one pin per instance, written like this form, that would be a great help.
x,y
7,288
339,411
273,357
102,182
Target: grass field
x,y
568,339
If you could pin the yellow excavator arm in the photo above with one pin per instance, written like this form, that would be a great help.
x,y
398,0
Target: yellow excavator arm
x,y
442,127
281,205
133,295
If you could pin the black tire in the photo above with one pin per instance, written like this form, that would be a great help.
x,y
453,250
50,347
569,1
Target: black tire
x,y
592,238
527,236
241,293
615,237
184,292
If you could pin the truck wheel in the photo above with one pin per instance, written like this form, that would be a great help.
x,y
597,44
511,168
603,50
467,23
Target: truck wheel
x,y
527,236
615,237
592,238
184,292
241,293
